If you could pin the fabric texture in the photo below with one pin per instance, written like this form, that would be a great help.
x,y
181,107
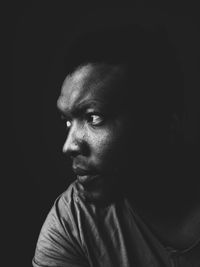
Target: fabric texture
x,y
81,234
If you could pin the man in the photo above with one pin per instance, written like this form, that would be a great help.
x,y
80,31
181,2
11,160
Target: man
x,y
122,103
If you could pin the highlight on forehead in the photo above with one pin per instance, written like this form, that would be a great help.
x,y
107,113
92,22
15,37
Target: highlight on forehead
x,y
71,83
61,104
76,85
78,75
100,74
100,69
81,72
90,82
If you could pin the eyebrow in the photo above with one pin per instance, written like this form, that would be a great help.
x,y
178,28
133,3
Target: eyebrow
x,y
81,107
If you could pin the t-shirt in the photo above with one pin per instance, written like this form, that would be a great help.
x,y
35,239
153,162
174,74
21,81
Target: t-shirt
x,y
81,234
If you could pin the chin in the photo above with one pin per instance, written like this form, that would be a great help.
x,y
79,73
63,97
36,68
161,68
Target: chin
x,y
99,190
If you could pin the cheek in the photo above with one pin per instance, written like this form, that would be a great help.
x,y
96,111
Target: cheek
x,y
104,145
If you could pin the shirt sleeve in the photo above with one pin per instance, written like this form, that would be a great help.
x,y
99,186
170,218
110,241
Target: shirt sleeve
x,y
59,243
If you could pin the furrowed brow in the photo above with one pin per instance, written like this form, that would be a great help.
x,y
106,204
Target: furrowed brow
x,y
88,105
79,108
67,113
64,113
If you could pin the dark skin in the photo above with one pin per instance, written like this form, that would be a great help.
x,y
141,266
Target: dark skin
x,y
105,145
95,132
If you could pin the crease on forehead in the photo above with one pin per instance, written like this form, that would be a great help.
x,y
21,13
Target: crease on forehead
x,y
83,84
71,87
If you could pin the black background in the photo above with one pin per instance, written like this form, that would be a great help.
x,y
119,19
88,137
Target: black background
x,y
39,170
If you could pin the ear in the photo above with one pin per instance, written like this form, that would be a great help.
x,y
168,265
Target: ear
x,y
176,129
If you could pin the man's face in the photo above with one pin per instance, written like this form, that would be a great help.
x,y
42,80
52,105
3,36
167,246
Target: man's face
x,y
95,122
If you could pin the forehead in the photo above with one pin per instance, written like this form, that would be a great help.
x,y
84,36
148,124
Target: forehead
x,y
89,83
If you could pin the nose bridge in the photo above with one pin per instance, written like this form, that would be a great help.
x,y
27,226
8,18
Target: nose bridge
x,y
74,139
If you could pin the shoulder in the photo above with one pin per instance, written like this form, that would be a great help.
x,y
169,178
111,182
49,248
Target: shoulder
x,y
60,237
79,215
62,215
68,198
66,208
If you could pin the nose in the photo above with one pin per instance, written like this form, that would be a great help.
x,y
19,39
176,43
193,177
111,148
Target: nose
x,y
74,141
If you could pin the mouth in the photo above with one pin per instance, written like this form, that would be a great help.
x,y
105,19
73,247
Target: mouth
x,y
84,176
87,179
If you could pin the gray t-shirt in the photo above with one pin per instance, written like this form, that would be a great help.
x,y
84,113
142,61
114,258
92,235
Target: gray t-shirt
x,y
81,234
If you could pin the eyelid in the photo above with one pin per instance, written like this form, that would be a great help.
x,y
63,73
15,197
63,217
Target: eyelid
x,y
86,115
65,118
94,112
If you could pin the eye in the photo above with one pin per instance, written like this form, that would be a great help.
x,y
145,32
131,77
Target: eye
x,y
68,124
67,121
95,119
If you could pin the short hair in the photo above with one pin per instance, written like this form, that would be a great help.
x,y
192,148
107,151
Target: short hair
x,y
150,60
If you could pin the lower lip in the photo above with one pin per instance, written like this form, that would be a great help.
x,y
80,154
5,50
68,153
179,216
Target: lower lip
x,y
85,179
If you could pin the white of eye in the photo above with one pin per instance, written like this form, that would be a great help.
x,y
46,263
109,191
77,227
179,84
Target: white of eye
x,y
68,124
96,119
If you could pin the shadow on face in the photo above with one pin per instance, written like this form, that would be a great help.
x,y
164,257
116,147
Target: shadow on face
x,y
124,127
